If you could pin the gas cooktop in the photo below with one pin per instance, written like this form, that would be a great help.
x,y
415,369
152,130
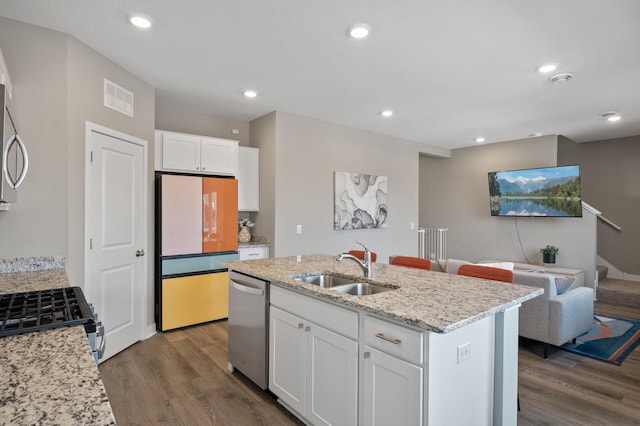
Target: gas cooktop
x,y
43,309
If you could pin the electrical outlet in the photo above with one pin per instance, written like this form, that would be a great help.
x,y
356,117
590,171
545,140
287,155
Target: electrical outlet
x,y
464,352
299,229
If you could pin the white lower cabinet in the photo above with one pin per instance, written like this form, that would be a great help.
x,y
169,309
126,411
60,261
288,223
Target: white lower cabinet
x,y
393,374
392,390
253,252
312,369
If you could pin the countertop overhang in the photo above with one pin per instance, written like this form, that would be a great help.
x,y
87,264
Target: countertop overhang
x,y
432,301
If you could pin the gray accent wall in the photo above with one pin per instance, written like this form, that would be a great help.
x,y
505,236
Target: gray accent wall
x,y
298,157
58,87
175,119
454,194
610,180
37,223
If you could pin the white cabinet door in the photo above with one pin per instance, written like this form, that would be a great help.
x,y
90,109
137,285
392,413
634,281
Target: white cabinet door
x,y
248,179
219,156
287,358
392,390
180,151
332,378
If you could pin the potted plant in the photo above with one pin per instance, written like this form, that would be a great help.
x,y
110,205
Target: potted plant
x,y
549,254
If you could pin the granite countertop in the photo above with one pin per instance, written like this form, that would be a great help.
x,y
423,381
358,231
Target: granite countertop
x,y
253,244
433,301
50,376
18,282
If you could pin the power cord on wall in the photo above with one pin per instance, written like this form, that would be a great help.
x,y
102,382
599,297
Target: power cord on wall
x,y
520,241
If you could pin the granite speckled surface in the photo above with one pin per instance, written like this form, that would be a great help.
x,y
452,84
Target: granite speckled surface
x,y
48,377
433,301
18,282
30,264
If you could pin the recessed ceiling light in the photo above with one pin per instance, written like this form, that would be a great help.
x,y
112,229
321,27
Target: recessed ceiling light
x,y
547,68
386,113
359,30
612,116
140,21
563,77
480,139
250,93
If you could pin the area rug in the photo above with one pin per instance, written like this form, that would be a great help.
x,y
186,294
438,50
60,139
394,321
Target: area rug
x,y
610,340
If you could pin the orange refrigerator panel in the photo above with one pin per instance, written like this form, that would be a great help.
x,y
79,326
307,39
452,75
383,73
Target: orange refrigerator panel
x,y
220,214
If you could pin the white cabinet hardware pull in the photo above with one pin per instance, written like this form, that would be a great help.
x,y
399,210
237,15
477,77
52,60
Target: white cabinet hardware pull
x,y
388,339
307,328
366,355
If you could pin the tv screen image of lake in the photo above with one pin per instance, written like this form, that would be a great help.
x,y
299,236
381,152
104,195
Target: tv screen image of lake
x,y
550,192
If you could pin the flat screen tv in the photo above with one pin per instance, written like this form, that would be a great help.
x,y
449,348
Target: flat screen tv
x,y
543,192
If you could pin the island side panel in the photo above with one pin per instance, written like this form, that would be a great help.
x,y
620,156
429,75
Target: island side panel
x,y
460,375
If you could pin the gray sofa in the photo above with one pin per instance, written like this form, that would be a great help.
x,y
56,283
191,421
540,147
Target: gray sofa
x,y
554,318
551,318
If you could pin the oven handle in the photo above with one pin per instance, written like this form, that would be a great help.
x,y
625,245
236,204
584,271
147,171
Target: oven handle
x,y
103,342
246,289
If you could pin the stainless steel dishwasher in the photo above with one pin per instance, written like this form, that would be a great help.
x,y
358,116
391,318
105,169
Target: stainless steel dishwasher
x,y
248,341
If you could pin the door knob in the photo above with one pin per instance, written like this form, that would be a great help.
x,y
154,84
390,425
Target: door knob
x,y
139,253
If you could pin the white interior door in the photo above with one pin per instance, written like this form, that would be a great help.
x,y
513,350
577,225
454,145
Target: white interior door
x,y
115,221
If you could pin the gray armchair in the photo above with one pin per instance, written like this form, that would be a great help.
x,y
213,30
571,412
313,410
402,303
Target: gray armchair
x,y
554,318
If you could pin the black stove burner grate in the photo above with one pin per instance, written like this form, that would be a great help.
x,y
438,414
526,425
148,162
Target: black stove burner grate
x,y
43,309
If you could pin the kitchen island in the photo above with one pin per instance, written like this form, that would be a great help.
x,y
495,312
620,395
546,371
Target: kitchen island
x,y
457,357
49,376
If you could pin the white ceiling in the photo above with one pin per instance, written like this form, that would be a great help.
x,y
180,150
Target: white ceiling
x,y
450,70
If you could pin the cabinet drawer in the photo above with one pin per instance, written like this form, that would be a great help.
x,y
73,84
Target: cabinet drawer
x,y
194,299
340,320
394,339
248,253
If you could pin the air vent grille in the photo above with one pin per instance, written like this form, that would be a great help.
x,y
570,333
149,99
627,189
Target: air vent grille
x,y
118,98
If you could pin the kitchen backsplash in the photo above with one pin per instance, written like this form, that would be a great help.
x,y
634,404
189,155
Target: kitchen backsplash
x,y
30,264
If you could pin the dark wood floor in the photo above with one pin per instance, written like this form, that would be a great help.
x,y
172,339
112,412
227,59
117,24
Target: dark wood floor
x,y
181,377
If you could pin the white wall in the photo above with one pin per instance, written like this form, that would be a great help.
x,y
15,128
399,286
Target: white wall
x,y
307,153
454,194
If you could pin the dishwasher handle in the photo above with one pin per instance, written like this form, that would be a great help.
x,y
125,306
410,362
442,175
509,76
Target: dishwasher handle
x,y
246,289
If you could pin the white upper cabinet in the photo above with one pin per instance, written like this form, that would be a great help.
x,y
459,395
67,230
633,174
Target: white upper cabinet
x,y
219,156
248,179
182,152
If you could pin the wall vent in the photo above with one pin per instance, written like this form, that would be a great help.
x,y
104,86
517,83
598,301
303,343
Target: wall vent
x,y
118,98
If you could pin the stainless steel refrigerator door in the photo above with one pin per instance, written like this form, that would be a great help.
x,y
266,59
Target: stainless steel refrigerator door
x,y
248,327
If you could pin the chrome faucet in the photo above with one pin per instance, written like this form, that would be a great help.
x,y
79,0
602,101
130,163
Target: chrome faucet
x,y
366,265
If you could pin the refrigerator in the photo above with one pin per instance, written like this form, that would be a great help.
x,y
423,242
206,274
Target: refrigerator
x,y
196,233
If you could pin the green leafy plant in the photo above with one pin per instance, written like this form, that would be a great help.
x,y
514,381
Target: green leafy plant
x,y
549,250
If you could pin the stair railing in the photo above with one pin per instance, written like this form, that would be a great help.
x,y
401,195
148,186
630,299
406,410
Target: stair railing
x,y
609,222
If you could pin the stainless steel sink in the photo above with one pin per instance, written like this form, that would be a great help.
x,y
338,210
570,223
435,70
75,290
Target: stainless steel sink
x,y
361,289
326,280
